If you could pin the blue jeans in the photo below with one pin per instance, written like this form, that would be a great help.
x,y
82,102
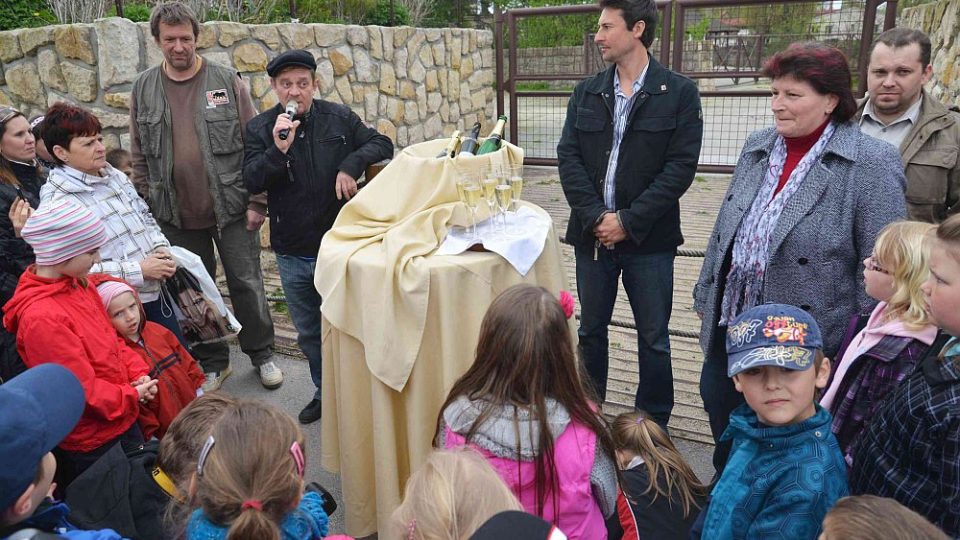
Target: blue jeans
x,y
303,304
648,282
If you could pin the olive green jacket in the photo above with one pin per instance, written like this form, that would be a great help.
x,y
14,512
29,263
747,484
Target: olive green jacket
x,y
931,157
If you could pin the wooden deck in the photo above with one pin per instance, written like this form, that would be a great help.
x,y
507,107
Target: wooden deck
x,y
699,209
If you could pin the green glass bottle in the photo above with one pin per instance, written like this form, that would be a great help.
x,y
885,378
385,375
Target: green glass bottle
x,y
494,140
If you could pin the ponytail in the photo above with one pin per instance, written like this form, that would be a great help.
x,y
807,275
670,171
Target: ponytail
x,y
636,433
253,523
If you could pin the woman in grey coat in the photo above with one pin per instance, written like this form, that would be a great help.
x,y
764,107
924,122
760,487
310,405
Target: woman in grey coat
x,y
807,199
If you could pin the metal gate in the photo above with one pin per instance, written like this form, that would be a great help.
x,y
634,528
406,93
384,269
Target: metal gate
x,y
720,44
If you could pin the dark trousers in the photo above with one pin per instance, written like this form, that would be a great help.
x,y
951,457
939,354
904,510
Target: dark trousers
x,y
648,282
239,251
71,464
720,396
303,304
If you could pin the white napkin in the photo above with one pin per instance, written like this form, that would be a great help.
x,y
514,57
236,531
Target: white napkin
x,y
528,235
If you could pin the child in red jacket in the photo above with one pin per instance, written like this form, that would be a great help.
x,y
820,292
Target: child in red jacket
x,y
57,317
179,378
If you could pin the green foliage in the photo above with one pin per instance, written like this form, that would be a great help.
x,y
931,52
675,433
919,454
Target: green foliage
x,y
25,14
556,31
134,12
381,14
698,31
779,19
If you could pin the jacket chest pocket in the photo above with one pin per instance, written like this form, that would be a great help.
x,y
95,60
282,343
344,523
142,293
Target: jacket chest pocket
x,y
589,120
929,173
150,125
655,124
223,130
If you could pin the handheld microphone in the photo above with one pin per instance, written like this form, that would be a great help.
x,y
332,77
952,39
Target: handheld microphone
x,y
291,110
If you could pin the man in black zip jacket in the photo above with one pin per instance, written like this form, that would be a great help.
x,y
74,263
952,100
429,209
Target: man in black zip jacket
x,y
628,151
308,165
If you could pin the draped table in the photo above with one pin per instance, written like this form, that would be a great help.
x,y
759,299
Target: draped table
x,y
400,324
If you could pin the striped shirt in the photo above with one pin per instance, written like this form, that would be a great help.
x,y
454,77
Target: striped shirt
x,y
621,113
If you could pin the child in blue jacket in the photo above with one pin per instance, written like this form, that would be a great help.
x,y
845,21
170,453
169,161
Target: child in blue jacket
x,y
785,469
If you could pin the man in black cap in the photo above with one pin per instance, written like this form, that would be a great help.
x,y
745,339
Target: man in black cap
x,y
306,154
186,119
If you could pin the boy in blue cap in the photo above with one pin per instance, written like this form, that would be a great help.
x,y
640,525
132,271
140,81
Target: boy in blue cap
x,y
38,408
785,469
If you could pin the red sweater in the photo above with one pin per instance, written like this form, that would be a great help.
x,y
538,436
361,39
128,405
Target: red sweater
x,y
797,147
62,321
177,373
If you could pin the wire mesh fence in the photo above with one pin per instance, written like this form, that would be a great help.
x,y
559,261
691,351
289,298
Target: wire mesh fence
x,y
721,44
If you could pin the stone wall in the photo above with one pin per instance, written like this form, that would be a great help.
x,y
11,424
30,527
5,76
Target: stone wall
x,y
411,84
941,21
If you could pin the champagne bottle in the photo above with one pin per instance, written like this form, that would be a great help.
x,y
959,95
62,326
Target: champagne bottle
x,y
469,145
493,141
451,149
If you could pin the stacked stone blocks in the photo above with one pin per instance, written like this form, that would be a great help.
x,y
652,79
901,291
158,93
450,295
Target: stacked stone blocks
x,y
412,84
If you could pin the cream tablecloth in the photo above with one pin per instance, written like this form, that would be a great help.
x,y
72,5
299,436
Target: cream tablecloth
x,y
388,365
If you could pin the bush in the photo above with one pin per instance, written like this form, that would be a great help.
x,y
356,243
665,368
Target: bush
x,y
380,15
134,12
25,14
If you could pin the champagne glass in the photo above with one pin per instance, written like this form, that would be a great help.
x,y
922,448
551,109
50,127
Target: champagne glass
x,y
504,198
489,182
516,184
471,197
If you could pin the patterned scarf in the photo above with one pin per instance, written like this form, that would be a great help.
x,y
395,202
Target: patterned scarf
x,y
752,244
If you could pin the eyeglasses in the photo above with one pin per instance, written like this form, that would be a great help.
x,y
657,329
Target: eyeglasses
x,y
872,265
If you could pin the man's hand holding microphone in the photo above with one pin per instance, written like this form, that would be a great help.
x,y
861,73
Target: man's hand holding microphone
x,y
285,128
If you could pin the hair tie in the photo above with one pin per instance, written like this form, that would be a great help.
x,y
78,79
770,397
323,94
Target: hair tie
x,y
567,303
640,420
251,503
411,528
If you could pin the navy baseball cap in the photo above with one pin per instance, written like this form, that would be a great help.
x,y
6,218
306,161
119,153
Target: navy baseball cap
x,y
38,408
518,525
772,335
296,57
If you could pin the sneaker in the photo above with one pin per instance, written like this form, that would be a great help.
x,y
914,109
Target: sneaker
x,y
214,379
310,413
270,375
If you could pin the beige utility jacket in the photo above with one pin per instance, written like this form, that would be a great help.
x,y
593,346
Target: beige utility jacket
x,y
931,158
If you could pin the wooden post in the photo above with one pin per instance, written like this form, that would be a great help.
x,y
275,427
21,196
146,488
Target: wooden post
x,y
119,8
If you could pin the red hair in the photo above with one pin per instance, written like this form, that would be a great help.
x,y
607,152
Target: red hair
x,y
823,67
63,122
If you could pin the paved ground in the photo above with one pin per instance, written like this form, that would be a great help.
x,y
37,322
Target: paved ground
x,y
688,425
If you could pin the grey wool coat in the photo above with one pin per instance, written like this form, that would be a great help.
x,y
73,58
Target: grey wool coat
x,y
825,231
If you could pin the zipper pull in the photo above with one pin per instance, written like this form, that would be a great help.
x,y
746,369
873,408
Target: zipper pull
x,y
596,248
290,173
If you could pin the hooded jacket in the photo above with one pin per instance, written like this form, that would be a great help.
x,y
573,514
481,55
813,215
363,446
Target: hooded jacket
x,y
54,517
586,477
176,371
63,321
118,492
779,482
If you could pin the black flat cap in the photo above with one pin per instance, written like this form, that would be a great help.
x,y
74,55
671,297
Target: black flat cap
x,y
296,57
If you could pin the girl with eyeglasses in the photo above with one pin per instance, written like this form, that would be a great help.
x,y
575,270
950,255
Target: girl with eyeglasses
x,y
19,193
882,348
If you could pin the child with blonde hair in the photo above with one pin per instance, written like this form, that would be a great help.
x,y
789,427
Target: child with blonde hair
x,y
868,517
891,339
661,496
249,480
524,406
449,497
910,449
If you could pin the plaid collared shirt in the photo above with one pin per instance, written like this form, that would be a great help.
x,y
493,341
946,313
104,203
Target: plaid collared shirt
x,y
910,451
875,374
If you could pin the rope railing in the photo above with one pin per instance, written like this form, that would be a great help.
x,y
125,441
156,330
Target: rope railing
x,y
619,323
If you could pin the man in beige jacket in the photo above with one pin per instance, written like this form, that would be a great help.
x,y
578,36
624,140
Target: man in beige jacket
x,y
898,110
